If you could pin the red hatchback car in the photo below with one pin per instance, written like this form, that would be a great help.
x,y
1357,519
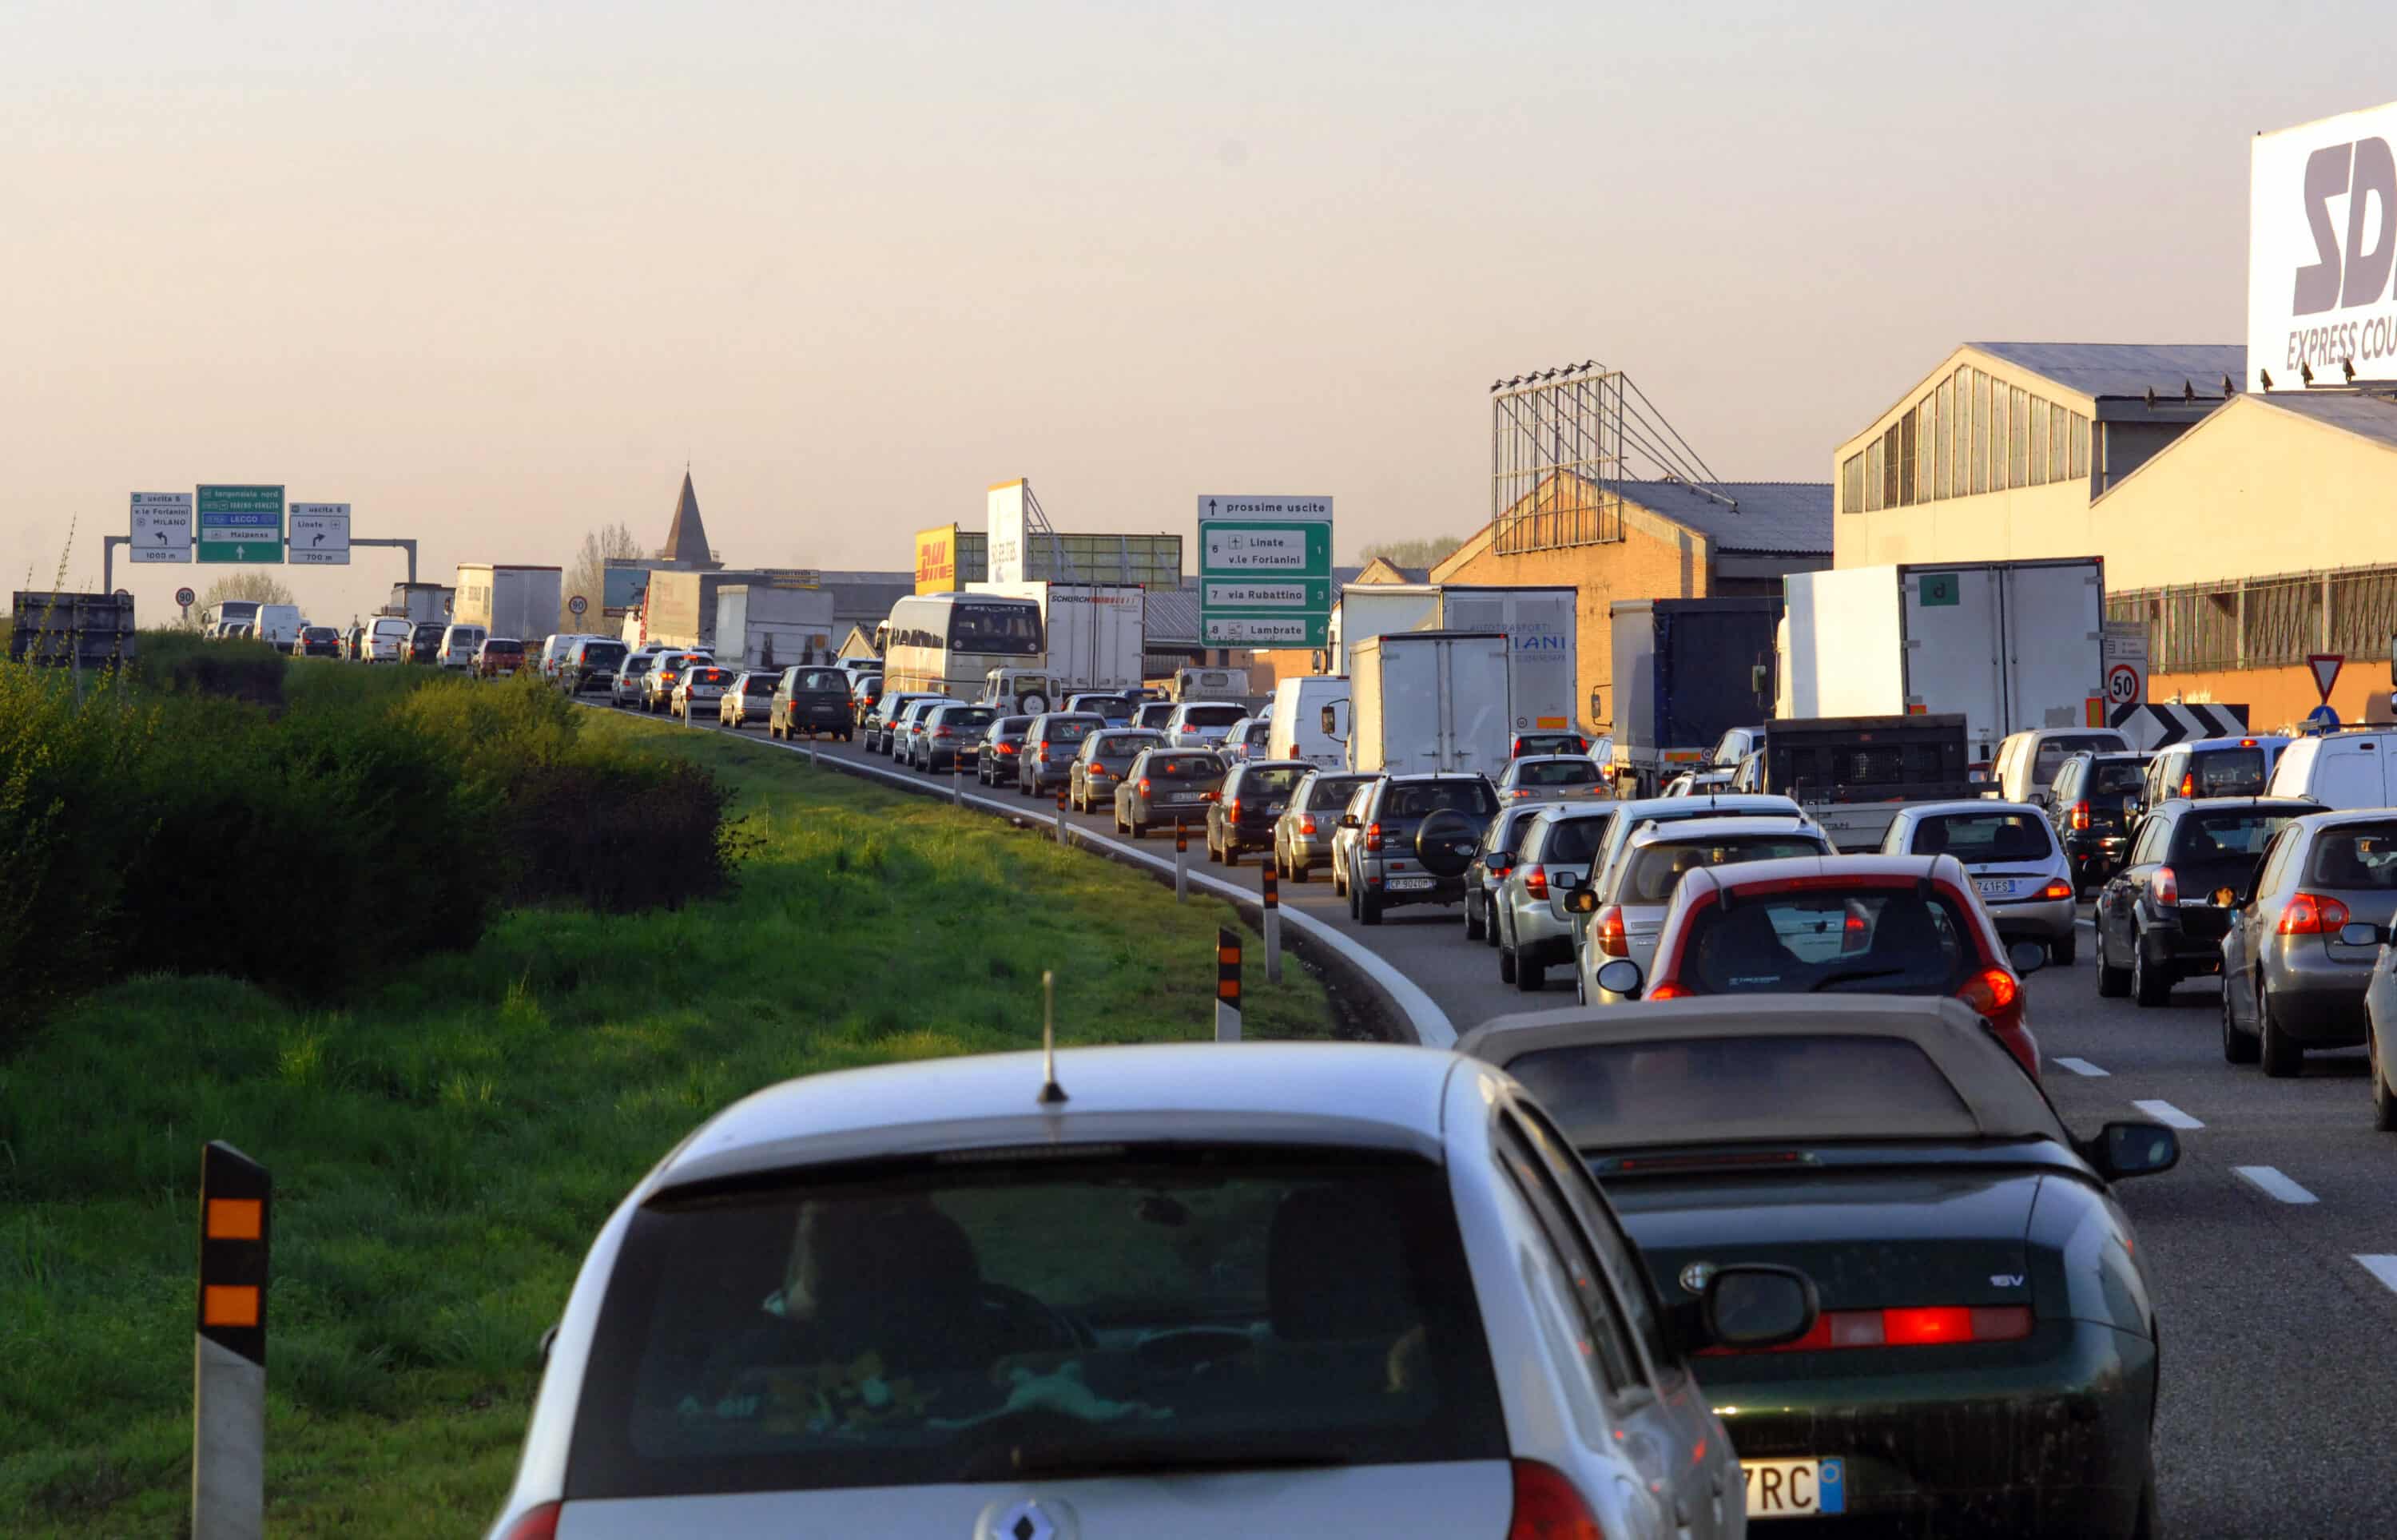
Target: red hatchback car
x,y
1866,924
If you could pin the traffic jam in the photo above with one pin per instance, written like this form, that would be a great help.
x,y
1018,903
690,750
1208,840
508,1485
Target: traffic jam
x,y
1747,1155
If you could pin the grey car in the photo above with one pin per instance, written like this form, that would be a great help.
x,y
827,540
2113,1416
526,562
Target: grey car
x,y
2025,879
1500,841
883,718
626,688
949,736
1051,742
1101,763
1551,777
1639,814
1346,830
907,728
1630,910
1416,835
1534,929
1166,787
2291,980
1303,836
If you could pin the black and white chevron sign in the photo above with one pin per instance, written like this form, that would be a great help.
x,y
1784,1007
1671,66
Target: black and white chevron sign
x,y
2146,724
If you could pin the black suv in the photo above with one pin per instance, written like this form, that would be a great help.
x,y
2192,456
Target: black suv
x,y
811,699
1415,836
1254,795
425,642
2153,927
2095,806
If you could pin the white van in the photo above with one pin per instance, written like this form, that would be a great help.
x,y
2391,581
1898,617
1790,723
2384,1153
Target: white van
x,y
386,639
278,624
2027,762
458,646
554,651
1297,718
2339,770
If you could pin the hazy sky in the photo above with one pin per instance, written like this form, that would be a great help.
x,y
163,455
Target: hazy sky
x,y
491,271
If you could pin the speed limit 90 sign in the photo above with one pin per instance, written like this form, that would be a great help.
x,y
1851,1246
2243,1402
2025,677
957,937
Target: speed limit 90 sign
x,y
2122,684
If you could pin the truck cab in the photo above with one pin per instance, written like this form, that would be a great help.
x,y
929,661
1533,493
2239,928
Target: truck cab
x,y
1852,775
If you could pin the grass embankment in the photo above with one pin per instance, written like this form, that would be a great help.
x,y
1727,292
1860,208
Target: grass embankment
x,y
445,1143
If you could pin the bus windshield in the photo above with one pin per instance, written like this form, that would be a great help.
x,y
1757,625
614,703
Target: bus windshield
x,y
1007,629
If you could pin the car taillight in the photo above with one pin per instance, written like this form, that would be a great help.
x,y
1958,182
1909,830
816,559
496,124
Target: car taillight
x,y
2081,814
1991,991
2312,915
1307,826
2057,890
941,733
2165,887
1852,935
1607,932
1143,785
1547,1506
1535,881
1003,747
1232,810
1669,991
2189,785
1097,772
1519,793
1912,1326
1515,749
1372,836
539,1524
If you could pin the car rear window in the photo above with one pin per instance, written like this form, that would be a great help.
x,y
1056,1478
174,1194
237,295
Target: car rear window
x,y
1062,729
1010,726
2113,777
2226,771
1667,1093
1185,766
822,679
1420,799
322,634
1333,791
1103,705
1271,779
1572,842
1655,870
2225,836
757,685
1115,744
1154,714
708,676
1877,941
2353,856
604,652
1979,838
2054,751
632,665
1212,716
1573,772
991,1321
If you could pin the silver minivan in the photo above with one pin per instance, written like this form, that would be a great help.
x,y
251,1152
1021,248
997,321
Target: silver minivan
x,y
458,645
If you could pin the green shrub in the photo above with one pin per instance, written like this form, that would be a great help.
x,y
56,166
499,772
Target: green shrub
x,y
184,663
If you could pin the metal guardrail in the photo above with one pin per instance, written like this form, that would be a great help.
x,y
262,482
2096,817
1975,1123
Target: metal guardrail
x,y
2263,622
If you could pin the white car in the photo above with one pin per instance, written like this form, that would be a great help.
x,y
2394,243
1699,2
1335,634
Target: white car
x,y
2010,851
1174,1291
1202,723
386,639
459,643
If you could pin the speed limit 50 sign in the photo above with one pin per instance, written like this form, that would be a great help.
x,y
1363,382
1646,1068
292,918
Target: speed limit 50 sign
x,y
2124,685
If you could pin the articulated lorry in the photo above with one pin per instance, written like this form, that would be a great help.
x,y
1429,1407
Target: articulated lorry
x,y
1686,673
2011,646
1427,700
1852,775
508,601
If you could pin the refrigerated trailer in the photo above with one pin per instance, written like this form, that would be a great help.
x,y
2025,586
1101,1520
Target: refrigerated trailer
x,y
2010,646
1539,622
1686,673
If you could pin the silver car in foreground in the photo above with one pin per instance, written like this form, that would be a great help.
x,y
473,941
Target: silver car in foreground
x,y
2009,849
1187,1291
2293,976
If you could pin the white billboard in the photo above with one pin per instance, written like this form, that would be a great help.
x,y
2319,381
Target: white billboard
x,y
1007,564
2321,244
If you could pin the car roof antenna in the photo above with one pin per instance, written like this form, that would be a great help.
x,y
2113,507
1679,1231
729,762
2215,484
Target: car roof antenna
x,y
1051,1092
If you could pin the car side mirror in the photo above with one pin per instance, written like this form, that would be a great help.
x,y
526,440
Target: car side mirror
x,y
1621,976
2025,958
1582,901
1348,820
1753,1306
2131,1149
2360,933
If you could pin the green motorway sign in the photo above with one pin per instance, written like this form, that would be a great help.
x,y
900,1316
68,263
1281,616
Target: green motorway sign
x,y
1265,570
238,523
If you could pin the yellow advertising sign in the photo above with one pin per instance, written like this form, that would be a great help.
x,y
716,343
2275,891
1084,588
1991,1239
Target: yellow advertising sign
x,y
936,560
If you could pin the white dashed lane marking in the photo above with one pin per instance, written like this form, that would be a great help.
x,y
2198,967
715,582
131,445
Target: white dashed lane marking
x,y
2382,1267
2269,1181
2167,1114
2082,1067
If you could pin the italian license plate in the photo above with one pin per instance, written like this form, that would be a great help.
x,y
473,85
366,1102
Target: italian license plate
x,y
1180,797
1795,1489
1996,887
1408,884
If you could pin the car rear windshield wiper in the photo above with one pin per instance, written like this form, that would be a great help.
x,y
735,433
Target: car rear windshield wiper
x,y
1160,1458
1853,976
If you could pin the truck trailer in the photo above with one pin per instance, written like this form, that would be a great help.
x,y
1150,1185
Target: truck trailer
x,y
508,601
1540,623
761,626
2010,646
1686,672
1095,632
1427,702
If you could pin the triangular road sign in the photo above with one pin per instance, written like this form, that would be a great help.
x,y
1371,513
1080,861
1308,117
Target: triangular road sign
x,y
2325,666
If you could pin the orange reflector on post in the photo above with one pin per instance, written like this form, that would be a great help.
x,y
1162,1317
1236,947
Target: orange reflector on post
x,y
1227,988
236,1218
1228,954
227,1304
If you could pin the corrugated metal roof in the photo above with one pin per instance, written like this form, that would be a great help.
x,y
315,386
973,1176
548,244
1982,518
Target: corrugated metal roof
x,y
2371,416
1785,518
2128,369
1173,617
865,602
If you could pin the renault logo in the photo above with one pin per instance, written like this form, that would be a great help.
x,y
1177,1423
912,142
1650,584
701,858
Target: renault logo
x,y
1696,1276
1027,1519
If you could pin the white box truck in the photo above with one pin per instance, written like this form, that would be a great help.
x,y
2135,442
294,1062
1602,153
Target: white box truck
x,y
1539,622
762,626
509,601
1094,631
2008,645
1429,700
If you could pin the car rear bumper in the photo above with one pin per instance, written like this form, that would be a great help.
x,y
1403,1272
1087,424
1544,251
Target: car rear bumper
x,y
2170,945
2318,1002
2047,1436
1438,890
2045,919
